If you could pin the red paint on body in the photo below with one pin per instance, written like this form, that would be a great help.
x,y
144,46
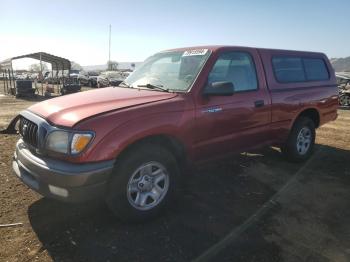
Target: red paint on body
x,y
120,117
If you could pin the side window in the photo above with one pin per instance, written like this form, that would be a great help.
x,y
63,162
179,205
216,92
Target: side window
x,y
288,69
299,69
315,69
235,67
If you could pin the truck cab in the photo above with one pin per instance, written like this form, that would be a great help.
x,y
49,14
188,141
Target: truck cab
x,y
129,144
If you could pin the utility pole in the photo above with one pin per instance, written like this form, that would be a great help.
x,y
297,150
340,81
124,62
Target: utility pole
x,y
109,48
42,77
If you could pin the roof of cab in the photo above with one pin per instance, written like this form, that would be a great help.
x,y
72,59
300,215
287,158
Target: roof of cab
x,y
215,48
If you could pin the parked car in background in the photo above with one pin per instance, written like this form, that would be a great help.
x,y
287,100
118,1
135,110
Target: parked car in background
x,y
130,144
22,76
43,77
343,81
70,85
110,78
52,79
7,76
81,76
93,78
34,76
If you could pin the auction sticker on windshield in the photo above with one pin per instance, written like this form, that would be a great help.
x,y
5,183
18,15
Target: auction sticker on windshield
x,y
195,52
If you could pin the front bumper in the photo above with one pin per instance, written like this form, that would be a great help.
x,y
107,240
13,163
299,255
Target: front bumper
x,y
59,179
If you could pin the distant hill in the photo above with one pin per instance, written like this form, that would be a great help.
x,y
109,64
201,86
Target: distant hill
x,y
121,65
341,64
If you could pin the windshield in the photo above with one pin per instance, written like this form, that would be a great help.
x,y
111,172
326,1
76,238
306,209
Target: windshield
x,y
174,70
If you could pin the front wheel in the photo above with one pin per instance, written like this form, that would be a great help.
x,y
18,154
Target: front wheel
x,y
143,183
301,140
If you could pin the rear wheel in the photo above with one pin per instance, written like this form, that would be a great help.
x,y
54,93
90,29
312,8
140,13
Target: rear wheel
x,y
143,183
301,140
344,100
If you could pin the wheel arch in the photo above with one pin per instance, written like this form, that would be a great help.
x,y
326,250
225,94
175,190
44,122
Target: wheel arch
x,y
171,143
311,113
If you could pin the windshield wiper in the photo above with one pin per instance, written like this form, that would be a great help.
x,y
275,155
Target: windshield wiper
x,y
159,87
124,84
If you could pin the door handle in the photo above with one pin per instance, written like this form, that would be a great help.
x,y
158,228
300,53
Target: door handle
x,y
259,103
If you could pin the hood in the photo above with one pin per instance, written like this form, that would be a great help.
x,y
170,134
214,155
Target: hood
x,y
71,109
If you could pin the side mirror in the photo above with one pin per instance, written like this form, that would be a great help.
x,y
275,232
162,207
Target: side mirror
x,y
219,89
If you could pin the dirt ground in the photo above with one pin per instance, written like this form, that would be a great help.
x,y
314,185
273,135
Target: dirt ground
x,y
216,217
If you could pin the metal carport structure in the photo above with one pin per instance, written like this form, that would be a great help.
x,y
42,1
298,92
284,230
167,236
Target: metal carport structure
x,y
57,64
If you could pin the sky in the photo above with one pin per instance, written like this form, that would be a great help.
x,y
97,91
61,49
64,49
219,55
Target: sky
x,y
78,30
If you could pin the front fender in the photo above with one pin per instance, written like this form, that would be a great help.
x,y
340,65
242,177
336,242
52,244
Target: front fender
x,y
178,125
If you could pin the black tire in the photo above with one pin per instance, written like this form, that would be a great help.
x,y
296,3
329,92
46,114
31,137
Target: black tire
x,y
344,100
290,149
117,193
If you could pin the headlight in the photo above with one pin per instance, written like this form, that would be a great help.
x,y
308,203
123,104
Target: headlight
x,y
58,141
68,142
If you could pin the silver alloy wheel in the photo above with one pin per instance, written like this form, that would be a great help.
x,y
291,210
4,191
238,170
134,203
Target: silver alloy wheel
x,y
344,100
304,140
148,185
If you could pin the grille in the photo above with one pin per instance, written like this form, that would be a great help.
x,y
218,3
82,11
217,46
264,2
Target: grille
x,y
29,131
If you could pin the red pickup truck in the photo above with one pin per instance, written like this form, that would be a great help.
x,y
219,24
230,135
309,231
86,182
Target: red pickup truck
x,y
129,144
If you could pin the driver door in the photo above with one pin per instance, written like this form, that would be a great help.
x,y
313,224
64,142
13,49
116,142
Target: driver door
x,y
238,122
